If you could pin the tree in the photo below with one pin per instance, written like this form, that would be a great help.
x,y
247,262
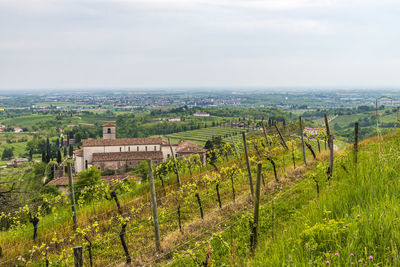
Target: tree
x,y
86,178
8,153
71,151
48,147
30,155
59,159
44,158
142,170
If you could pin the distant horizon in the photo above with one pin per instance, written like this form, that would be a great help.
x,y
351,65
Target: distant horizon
x,y
242,89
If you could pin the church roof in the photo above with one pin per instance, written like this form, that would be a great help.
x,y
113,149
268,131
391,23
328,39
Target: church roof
x,y
109,124
122,142
114,156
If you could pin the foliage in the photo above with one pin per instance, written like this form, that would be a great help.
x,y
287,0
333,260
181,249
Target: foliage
x,y
87,178
142,170
8,153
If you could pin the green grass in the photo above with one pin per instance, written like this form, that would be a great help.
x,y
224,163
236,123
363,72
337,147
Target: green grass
x,y
28,121
356,213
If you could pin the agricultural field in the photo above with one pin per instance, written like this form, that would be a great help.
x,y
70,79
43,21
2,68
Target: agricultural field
x,y
201,136
28,121
17,141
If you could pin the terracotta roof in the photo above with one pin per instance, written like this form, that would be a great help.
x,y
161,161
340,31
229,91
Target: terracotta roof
x,y
189,147
122,141
112,156
64,181
187,144
165,143
78,152
109,124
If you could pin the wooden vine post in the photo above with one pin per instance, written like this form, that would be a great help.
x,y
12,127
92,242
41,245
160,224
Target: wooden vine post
x,y
253,238
154,203
330,145
282,139
274,168
311,150
330,170
265,134
248,163
176,165
78,258
72,195
293,158
355,142
234,147
328,133
302,141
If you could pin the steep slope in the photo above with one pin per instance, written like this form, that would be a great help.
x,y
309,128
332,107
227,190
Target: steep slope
x,y
353,220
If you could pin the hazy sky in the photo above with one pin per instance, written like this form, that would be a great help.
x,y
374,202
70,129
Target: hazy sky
x,y
199,43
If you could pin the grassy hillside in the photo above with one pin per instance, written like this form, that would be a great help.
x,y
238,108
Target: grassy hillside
x,y
353,220
305,219
100,221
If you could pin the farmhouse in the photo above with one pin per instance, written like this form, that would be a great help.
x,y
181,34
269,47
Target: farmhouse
x,y
123,154
201,114
16,162
174,119
17,129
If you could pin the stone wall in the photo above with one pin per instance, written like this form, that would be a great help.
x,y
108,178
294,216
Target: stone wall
x,y
120,167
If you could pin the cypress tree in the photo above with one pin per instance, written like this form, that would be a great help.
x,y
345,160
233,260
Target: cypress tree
x,y
71,151
48,157
48,153
59,159
44,156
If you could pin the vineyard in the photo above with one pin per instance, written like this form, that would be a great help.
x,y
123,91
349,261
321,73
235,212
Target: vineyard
x,y
204,213
201,136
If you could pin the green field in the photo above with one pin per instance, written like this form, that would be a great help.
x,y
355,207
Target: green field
x,y
27,121
201,136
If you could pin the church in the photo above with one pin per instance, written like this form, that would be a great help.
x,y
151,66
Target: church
x,y
123,154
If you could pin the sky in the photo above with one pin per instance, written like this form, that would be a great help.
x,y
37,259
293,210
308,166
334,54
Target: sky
x,y
199,43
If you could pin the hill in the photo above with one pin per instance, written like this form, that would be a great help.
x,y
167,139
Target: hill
x,y
305,218
354,219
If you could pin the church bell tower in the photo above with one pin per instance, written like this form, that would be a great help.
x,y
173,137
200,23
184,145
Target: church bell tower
x,y
109,131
